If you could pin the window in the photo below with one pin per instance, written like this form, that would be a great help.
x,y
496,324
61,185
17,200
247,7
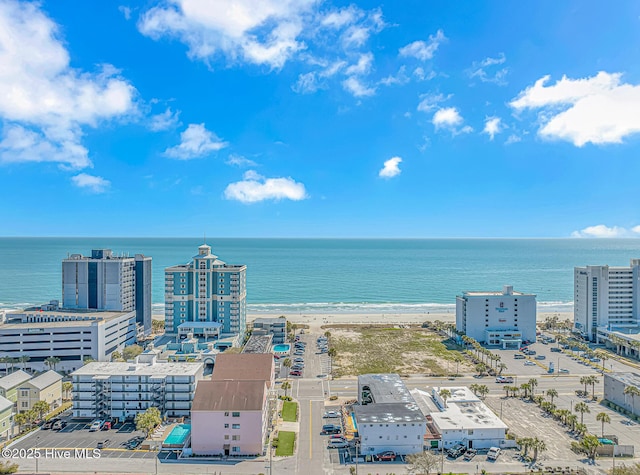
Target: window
x,y
235,449
226,414
235,414
226,437
226,426
235,437
235,426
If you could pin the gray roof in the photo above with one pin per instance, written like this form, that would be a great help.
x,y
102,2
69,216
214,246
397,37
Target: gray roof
x,y
46,379
386,388
258,344
229,396
5,404
396,413
629,379
14,379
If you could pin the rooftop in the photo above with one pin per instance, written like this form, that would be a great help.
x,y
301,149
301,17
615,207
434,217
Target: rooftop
x,y
58,318
5,404
630,379
386,388
139,369
14,379
258,344
229,396
464,411
45,379
243,367
628,334
270,320
385,413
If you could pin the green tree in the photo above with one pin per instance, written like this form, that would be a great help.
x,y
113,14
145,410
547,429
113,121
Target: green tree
x,y
157,326
131,351
87,359
538,446
20,419
148,420
590,444
445,394
52,362
572,420
332,352
422,463
116,356
551,393
626,469
24,360
286,385
603,417
483,390
533,382
7,467
632,391
67,387
41,408
585,380
501,367
581,407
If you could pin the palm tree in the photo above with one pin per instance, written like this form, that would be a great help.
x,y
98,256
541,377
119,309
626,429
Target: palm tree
x,y
581,429
585,380
67,387
551,393
502,367
593,380
287,364
481,368
483,390
603,417
590,444
445,394
51,362
563,414
572,420
525,444
633,391
581,407
286,386
41,408
20,419
5,360
24,360
538,446
474,388
458,359
533,382
525,388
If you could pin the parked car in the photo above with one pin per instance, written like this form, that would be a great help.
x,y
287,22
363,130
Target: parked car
x,y
388,456
541,357
103,444
456,451
493,454
134,442
298,360
337,436
556,350
504,379
563,370
338,444
330,414
47,425
106,426
95,425
331,429
58,425
470,453
295,372
518,356
529,363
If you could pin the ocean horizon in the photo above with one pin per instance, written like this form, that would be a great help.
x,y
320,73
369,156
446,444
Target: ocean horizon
x,y
324,275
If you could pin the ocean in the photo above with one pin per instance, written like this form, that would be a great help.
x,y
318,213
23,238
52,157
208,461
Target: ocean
x,y
291,276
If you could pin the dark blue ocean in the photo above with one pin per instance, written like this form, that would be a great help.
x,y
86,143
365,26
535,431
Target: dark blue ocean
x,y
335,275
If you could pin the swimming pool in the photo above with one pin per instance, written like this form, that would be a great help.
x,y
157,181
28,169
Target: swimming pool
x,y
284,348
178,435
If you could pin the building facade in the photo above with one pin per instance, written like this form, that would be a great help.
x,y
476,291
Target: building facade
x,y
607,298
122,390
206,290
69,335
10,383
271,326
46,387
615,385
6,418
104,281
504,318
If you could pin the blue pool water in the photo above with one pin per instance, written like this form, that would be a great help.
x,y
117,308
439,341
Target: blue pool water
x,y
281,348
178,435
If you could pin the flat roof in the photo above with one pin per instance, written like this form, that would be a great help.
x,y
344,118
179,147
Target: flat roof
x,y
270,320
465,411
14,379
386,388
229,396
100,368
624,333
258,344
243,367
493,293
630,379
395,412
76,318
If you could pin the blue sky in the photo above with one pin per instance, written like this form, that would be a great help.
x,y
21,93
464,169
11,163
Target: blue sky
x,y
302,118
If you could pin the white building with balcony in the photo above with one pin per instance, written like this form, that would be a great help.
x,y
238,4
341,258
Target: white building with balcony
x,y
505,318
122,390
206,290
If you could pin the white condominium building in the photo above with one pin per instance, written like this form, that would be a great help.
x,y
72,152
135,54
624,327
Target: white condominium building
x,y
504,318
606,298
122,390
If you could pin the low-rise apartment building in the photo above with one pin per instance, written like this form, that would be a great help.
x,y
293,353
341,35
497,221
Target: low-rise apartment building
x,y
122,390
6,418
46,387
271,326
615,385
9,384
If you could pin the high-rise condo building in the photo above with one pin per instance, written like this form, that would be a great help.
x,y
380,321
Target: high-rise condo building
x,y
107,282
607,300
208,292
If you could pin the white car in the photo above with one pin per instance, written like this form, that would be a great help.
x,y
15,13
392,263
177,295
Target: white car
x,y
493,454
338,444
95,425
529,363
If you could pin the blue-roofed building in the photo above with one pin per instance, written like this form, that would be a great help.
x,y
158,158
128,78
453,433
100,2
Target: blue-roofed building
x,y
206,290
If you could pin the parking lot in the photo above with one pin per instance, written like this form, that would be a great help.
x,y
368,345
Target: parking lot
x,y
76,435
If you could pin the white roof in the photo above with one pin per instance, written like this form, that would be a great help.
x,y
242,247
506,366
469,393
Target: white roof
x,y
14,379
45,379
5,404
464,411
139,369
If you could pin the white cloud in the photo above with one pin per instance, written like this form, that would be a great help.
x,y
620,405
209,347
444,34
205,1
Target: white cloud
x,y
126,11
338,19
429,102
599,109
363,66
195,142
399,78
447,117
603,231
165,121
423,50
495,75
420,74
513,138
94,184
492,126
240,161
391,168
356,87
307,83
44,103
255,188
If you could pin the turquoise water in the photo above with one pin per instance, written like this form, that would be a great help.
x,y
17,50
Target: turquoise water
x,y
178,435
281,348
335,275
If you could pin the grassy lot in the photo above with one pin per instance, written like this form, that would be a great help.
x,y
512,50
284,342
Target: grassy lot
x,y
380,349
286,441
290,411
